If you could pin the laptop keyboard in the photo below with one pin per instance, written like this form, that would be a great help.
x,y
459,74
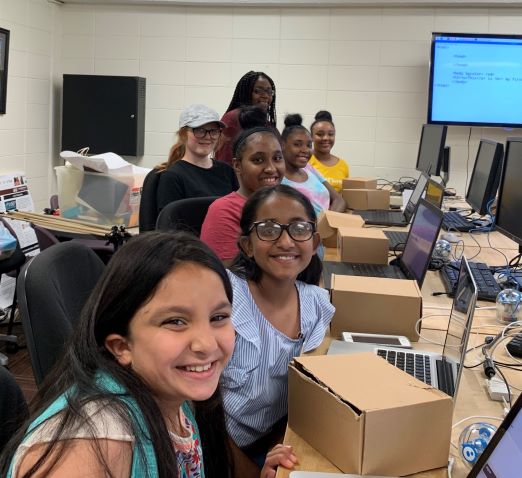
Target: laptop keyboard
x,y
397,239
374,270
382,216
488,287
455,221
416,364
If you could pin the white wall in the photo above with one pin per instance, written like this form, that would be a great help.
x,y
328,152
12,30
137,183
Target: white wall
x,y
368,66
25,128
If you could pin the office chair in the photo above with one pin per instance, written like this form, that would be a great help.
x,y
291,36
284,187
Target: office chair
x,y
184,215
52,290
13,407
47,238
149,202
11,265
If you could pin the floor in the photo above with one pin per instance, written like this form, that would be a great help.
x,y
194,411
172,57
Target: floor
x,y
19,363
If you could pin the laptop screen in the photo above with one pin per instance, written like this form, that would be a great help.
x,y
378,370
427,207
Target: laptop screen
x,y
421,240
434,193
503,455
415,196
460,318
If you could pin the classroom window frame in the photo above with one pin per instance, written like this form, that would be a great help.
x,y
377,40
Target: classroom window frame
x,y
4,61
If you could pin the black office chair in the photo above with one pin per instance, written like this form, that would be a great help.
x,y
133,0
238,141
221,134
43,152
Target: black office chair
x,y
11,266
184,215
52,289
149,202
46,238
13,407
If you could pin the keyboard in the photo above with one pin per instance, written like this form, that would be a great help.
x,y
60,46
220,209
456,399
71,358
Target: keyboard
x,y
397,240
416,364
454,221
488,287
374,270
383,217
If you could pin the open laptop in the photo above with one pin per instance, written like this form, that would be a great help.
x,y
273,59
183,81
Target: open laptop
x,y
503,454
442,371
415,259
434,195
396,218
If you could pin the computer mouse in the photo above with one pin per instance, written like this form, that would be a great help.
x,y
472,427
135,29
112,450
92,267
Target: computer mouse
x,y
450,237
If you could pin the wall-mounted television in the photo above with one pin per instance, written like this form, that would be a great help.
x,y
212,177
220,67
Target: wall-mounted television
x,y
475,80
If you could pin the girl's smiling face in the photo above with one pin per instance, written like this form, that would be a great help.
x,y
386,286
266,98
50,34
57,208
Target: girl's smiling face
x,y
285,258
323,136
297,148
261,163
180,340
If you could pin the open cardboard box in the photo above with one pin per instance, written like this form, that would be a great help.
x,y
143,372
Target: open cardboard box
x,y
364,199
375,305
329,221
359,183
362,245
368,417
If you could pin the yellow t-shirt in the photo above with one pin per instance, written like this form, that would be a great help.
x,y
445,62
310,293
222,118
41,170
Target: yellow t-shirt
x,y
333,174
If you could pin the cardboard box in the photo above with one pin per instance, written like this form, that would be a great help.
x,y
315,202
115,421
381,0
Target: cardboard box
x,y
359,183
368,417
329,221
363,245
375,305
367,198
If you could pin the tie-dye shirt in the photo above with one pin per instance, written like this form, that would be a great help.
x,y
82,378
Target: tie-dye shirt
x,y
313,188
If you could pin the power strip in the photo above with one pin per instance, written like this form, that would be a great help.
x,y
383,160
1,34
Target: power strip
x,y
497,389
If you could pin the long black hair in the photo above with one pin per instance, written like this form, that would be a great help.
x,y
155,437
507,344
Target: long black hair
x,y
243,94
129,281
245,266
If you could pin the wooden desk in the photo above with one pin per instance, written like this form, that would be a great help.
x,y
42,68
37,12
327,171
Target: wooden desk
x,y
472,398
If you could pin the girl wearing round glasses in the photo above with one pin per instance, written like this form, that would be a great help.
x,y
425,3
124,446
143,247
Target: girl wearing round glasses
x,y
278,313
258,162
190,170
297,149
333,169
254,88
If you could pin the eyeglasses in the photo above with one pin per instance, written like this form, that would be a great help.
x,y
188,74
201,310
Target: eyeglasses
x,y
200,133
258,90
299,231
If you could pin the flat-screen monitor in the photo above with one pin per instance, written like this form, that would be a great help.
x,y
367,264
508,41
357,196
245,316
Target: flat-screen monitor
x,y
475,79
431,149
485,176
509,205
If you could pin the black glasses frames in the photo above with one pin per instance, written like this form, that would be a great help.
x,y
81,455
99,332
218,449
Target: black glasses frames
x,y
200,132
299,231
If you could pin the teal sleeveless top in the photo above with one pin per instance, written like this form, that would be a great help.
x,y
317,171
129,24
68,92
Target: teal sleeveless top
x,y
144,463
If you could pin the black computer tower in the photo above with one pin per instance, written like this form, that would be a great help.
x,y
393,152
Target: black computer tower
x,y
105,113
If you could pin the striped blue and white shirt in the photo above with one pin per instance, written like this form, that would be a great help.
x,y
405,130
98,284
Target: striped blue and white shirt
x,y
255,381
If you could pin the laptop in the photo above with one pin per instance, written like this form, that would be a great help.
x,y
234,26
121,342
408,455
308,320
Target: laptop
x,y
503,454
396,218
434,195
442,371
415,259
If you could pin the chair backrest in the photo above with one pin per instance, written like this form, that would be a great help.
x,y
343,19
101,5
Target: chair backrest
x,y
13,407
52,290
17,259
45,237
149,202
184,215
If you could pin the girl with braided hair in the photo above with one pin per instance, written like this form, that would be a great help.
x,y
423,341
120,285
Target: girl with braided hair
x,y
254,88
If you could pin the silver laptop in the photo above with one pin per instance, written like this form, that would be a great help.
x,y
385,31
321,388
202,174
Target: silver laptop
x,y
442,371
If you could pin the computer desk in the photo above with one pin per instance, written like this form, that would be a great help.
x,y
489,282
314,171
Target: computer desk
x,y
472,398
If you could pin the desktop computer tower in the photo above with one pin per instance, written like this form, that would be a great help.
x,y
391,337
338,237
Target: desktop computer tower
x,y
105,113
